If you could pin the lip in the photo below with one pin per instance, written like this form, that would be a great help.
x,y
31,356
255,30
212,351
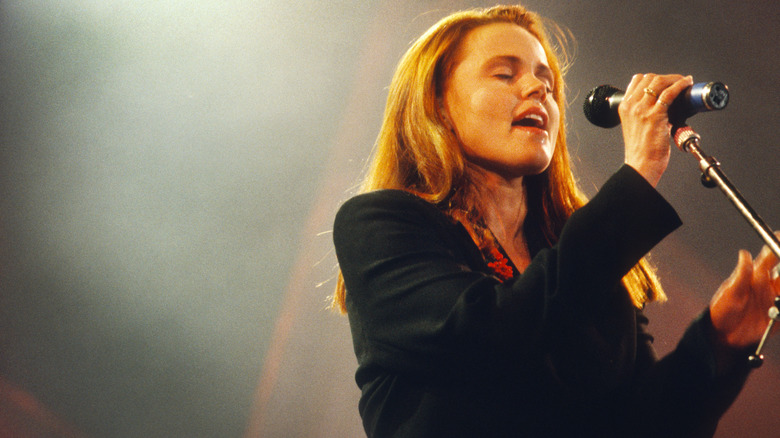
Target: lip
x,y
533,110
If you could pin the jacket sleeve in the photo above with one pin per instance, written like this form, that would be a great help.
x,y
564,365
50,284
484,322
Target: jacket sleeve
x,y
417,306
685,393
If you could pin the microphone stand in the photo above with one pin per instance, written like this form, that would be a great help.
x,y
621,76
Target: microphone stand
x,y
687,140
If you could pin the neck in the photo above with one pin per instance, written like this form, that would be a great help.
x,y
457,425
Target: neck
x,y
504,207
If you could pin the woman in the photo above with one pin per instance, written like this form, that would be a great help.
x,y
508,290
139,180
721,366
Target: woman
x,y
486,298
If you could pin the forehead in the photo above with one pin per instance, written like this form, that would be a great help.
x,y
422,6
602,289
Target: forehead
x,y
500,39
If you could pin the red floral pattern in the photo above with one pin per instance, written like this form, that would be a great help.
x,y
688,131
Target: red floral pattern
x,y
500,265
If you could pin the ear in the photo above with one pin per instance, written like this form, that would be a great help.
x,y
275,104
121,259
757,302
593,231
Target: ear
x,y
445,115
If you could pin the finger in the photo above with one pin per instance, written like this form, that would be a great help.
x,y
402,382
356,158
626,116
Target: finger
x,y
648,90
671,92
741,277
634,84
653,86
761,284
775,272
731,299
766,259
766,271
665,87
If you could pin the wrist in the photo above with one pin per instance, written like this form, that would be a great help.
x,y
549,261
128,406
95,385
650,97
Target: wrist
x,y
651,172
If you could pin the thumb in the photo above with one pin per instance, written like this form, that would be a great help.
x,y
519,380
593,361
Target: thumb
x,y
731,297
740,278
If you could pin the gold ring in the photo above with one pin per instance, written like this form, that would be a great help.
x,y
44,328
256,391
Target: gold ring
x,y
663,102
651,92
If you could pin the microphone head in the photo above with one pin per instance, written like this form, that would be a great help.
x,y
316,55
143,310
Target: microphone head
x,y
598,108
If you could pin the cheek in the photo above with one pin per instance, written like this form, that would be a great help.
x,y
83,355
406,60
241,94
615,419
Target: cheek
x,y
480,114
492,104
555,117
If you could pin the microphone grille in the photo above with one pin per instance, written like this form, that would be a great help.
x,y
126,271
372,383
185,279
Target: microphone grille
x,y
597,108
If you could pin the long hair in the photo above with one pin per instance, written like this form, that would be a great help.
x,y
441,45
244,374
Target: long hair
x,y
415,150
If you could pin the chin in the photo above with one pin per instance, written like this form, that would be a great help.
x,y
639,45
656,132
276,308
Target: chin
x,y
525,170
538,166
517,167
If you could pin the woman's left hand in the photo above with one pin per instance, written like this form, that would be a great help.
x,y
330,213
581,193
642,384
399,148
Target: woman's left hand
x,y
739,309
645,122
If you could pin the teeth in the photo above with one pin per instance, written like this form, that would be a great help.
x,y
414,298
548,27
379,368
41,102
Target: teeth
x,y
535,117
534,120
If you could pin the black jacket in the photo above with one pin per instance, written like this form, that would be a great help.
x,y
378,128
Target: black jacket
x,y
445,349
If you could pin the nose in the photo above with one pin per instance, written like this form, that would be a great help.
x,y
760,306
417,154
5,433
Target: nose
x,y
532,86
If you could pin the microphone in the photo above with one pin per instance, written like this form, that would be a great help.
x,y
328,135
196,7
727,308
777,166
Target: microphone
x,y
602,102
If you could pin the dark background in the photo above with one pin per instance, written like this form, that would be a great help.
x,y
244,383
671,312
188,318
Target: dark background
x,y
170,171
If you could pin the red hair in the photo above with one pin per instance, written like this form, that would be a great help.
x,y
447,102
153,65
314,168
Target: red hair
x,y
416,152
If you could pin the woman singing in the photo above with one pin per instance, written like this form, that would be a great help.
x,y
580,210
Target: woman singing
x,y
486,296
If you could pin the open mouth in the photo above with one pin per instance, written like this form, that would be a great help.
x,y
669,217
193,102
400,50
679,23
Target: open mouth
x,y
530,121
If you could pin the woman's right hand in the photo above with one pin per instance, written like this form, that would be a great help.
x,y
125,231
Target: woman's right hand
x,y
739,309
645,121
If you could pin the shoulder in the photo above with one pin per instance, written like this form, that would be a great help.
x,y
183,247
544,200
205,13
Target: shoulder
x,y
387,197
388,204
393,219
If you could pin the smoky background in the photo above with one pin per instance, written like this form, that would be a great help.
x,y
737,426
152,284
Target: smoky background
x,y
169,172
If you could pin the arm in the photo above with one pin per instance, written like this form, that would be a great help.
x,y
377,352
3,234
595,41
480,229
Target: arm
x,y
688,390
418,305
692,387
